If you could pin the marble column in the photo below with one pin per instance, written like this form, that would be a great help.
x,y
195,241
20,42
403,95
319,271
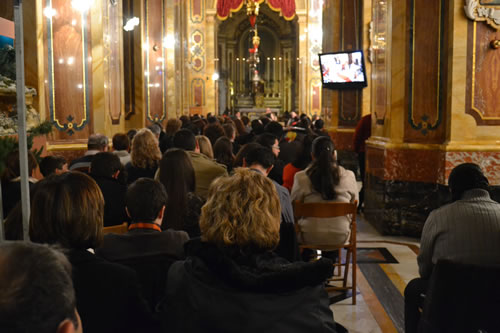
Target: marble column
x,y
429,125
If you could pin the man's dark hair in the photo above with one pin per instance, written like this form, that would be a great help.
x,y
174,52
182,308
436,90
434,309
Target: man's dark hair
x,y
265,120
262,156
105,164
211,119
266,140
464,177
131,133
121,141
245,120
229,130
185,139
49,164
318,124
97,142
274,128
213,132
36,288
257,127
144,199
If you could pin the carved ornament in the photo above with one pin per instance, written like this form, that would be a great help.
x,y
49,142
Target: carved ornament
x,y
476,12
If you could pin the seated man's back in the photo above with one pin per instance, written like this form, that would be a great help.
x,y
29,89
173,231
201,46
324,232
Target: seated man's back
x,y
465,231
206,170
145,247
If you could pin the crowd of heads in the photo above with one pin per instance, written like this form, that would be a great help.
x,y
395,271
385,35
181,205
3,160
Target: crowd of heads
x,y
241,211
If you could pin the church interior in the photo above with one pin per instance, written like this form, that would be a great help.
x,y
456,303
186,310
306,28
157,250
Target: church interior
x,y
431,70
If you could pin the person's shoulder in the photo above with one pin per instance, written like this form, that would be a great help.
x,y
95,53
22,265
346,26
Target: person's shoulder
x,y
91,262
175,234
439,213
346,172
301,173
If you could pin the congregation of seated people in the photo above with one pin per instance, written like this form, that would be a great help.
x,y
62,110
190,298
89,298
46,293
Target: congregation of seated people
x,y
211,244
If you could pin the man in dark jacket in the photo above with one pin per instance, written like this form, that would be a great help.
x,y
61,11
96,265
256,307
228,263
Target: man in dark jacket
x,y
145,247
145,204
107,171
95,144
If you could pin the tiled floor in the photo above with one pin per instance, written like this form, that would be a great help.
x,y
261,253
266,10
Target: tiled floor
x,y
380,287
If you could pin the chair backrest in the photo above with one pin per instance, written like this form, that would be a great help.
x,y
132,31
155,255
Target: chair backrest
x,y
116,229
462,298
325,209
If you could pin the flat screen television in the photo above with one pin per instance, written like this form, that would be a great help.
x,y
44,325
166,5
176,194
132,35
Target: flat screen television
x,y
343,70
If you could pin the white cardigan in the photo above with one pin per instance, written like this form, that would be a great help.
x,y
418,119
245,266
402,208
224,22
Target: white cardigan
x,y
324,231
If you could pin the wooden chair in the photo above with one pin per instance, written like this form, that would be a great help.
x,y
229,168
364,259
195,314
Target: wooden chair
x,y
116,229
330,210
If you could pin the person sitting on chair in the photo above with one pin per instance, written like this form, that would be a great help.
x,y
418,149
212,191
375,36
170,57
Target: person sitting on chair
x,y
324,180
145,204
107,171
36,291
95,144
68,210
232,279
463,231
145,247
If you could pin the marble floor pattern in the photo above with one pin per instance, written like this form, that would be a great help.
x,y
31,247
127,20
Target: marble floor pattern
x,y
380,286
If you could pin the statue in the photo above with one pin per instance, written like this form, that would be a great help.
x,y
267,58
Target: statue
x,y
8,109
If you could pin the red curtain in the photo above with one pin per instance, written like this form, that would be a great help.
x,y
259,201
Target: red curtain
x,y
287,7
225,7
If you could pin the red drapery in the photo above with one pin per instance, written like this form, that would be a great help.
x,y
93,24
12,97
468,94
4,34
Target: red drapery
x,y
286,7
226,7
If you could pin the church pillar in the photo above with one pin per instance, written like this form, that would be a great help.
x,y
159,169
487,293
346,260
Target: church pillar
x,y
343,29
302,68
433,107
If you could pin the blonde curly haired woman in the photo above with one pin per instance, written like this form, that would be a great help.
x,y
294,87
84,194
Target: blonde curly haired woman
x,y
145,156
231,279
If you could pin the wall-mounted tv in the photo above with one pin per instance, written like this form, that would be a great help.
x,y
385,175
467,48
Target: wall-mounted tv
x,y
343,70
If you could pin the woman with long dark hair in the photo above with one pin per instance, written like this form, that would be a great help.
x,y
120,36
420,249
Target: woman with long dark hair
x,y
324,180
223,152
183,205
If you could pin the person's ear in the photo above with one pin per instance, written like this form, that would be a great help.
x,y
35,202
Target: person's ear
x,y
161,213
66,326
268,170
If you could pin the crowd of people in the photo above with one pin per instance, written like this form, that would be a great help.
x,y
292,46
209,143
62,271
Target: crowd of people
x,y
211,243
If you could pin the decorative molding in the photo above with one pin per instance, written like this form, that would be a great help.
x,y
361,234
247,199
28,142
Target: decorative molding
x,y
371,55
197,50
70,124
422,121
476,12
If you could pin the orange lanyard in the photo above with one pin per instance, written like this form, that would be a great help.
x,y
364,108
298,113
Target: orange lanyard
x,y
141,225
